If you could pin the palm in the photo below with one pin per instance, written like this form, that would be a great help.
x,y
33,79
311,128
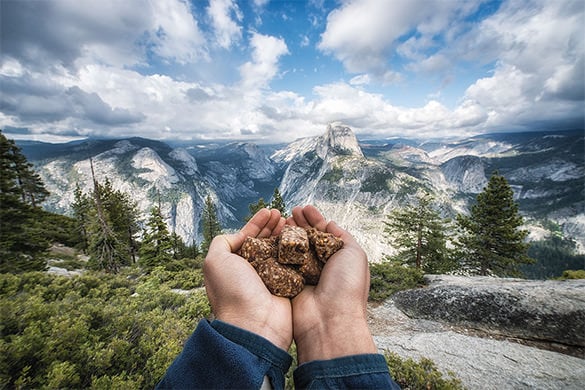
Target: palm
x,y
236,292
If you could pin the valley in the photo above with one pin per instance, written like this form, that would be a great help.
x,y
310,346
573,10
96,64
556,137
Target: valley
x,y
354,182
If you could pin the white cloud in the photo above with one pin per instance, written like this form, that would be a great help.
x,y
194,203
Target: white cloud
x,y
93,85
119,33
266,51
362,79
363,34
225,18
540,69
176,32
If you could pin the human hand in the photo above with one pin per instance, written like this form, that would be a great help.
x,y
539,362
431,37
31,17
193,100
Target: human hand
x,y
237,294
330,319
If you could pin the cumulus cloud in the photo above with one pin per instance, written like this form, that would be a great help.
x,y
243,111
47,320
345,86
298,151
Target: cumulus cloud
x,y
119,33
363,34
69,68
540,54
266,51
225,17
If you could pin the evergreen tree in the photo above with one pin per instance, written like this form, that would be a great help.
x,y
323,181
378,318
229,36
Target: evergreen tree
x,y
107,251
255,207
157,246
419,233
492,241
278,203
32,188
22,243
209,224
81,207
553,255
179,249
123,216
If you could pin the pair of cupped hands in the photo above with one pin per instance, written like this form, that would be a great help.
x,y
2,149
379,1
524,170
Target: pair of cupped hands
x,y
326,321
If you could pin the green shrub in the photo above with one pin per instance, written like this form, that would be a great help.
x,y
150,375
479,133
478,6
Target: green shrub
x,y
388,278
421,375
92,331
186,279
573,274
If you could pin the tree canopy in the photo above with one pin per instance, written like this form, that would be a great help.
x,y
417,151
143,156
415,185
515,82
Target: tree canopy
x,y
23,242
209,223
492,240
419,233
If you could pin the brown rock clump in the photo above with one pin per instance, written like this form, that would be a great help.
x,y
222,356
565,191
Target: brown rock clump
x,y
287,262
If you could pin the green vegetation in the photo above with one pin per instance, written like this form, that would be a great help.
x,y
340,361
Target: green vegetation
x,y
156,247
573,274
376,182
24,237
553,255
333,175
209,224
420,235
491,240
386,278
276,203
97,330
422,375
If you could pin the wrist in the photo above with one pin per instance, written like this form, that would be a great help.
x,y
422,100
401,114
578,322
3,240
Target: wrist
x,y
335,338
263,329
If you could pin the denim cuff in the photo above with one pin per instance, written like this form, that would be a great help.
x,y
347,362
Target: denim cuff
x,y
367,370
258,345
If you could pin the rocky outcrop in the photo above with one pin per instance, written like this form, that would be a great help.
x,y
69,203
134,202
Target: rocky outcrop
x,y
549,311
465,173
442,319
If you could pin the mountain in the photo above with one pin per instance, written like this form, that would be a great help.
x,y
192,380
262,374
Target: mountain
x,y
354,183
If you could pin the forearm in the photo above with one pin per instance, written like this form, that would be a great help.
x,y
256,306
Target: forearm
x,y
219,355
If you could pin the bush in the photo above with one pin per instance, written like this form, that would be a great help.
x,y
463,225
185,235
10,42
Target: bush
x,y
187,279
388,278
421,375
571,274
94,330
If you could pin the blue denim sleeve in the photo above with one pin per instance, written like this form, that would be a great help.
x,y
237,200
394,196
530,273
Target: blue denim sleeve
x,y
368,371
219,355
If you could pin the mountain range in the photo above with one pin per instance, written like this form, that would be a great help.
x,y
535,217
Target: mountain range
x,y
356,183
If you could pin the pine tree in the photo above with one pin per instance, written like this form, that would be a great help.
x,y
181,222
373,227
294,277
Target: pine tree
x,y
32,188
123,216
81,207
492,241
22,243
278,203
157,247
254,208
107,251
419,233
209,224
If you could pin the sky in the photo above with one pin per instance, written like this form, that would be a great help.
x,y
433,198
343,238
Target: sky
x,y
274,70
